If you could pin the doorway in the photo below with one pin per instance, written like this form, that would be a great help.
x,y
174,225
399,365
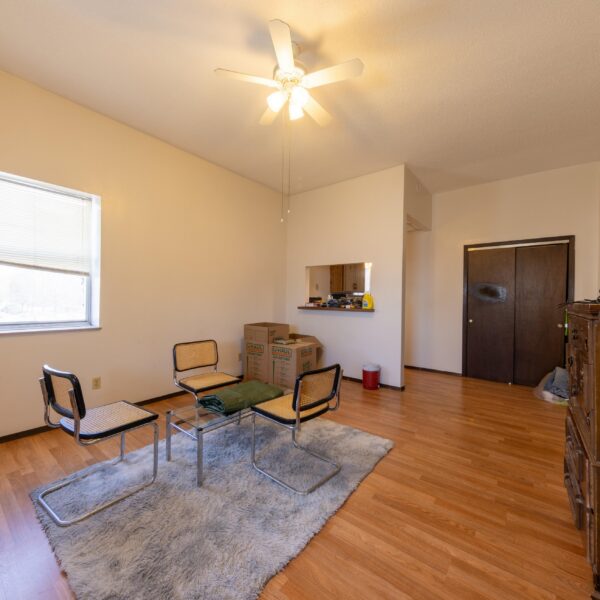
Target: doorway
x,y
513,324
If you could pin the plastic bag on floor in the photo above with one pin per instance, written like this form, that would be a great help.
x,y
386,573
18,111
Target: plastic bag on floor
x,y
543,393
559,385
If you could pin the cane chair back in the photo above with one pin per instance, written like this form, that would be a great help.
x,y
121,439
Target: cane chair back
x,y
59,387
315,388
195,355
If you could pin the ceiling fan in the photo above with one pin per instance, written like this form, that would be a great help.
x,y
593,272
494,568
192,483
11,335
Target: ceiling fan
x,y
291,81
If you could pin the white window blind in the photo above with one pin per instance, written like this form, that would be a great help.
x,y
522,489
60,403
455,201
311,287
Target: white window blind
x,y
43,228
49,256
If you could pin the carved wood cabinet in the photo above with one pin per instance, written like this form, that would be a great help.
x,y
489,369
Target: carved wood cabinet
x,y
582,439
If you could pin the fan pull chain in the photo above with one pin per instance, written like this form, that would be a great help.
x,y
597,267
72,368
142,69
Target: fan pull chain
x,y
289,153
283,167
286,165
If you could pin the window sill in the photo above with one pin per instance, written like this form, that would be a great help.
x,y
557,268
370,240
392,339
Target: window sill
x,y
48,329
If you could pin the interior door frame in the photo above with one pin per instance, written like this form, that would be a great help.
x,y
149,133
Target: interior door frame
x,y
570,241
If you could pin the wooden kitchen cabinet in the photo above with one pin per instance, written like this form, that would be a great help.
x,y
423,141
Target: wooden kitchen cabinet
x,y
347,278
336,279
354,277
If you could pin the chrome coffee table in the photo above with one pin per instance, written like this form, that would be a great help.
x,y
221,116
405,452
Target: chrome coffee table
x,y
194,421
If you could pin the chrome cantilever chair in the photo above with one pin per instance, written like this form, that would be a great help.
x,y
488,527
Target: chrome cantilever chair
x,y
315,393
90,426
188,356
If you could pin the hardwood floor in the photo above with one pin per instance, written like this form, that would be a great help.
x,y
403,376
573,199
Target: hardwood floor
x,y
468,505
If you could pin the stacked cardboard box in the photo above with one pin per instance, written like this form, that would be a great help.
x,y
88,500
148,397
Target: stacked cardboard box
x,y
303,337
278,363
257,337
289,360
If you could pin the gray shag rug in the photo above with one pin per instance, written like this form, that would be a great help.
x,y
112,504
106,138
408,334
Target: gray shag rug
x,y
224,540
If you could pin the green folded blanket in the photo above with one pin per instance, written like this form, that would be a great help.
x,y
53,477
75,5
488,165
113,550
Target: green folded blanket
x,y
237,397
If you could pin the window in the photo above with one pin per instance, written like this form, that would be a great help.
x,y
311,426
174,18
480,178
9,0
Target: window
x,y
49,256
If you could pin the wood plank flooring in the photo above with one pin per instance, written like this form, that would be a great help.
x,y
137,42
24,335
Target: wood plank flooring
x,y
468,505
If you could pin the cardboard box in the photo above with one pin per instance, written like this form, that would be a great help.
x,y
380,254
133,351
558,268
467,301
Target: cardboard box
x,y
287,361
265,333
256,361
303,337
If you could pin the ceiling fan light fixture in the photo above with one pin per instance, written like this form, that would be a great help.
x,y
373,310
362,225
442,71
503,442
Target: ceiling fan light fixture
x,y
292,75
276,100
295,111
291,80
299,96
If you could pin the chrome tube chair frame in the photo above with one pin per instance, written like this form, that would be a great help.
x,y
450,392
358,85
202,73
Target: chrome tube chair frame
x,y
296,426
199,362
77,412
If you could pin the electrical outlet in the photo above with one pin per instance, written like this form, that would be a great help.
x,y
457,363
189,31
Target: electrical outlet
x,y
239,357
96,383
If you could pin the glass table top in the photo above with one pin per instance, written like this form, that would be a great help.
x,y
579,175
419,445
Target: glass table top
x,y
199,417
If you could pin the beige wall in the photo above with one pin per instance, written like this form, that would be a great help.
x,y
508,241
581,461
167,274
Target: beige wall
x,y
417,202
598,198
559,202
418,214
359,220
189,251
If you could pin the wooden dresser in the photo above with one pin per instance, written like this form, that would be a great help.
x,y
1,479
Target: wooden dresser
x,y
582,428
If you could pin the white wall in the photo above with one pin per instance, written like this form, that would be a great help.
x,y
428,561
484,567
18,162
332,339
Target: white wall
x,y
418,215
596,293
359,220
417,202
189,251
559,202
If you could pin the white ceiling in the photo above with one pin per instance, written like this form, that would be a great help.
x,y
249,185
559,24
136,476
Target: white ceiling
x,y
463,91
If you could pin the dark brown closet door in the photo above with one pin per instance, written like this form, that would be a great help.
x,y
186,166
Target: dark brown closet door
x,y
491,314
541,285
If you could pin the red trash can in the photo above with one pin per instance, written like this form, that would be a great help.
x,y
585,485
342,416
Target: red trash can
x,y
371,376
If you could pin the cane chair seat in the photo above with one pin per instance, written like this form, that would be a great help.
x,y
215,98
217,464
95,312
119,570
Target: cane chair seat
x,y
206,381
107,420
281,409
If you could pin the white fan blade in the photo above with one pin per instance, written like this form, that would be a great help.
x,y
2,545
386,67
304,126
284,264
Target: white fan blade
x,y
248,78
282,42
268,116
317,112
352,68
